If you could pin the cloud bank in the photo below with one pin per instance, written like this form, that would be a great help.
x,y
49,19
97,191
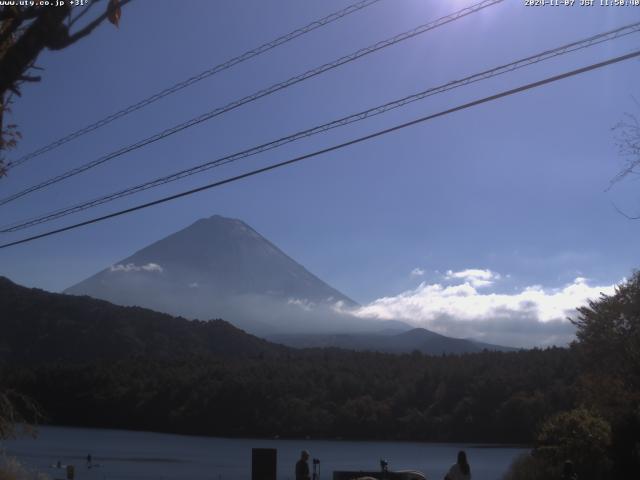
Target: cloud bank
x,y
532,316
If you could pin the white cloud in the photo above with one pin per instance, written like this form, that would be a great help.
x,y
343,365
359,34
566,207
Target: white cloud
x,y
530,316
194,285
417,272
132,267
302,303
474,276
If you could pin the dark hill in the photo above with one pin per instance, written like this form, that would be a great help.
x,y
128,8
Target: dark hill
x,y
39,326
417,339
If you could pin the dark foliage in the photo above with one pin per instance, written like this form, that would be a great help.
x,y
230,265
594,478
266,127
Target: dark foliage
x,y
39,326
608,349
600,438
491,397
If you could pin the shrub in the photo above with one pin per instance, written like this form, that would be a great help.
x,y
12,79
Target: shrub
x,y
12,469
529,467
577,435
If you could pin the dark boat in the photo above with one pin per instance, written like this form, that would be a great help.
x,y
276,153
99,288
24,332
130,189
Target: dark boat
x,y
383,474
362,475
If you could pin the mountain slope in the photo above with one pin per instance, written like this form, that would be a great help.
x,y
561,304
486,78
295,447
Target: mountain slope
x,y
39,326
217,267
417,339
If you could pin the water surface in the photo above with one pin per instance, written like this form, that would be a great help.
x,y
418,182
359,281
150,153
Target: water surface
x,y
123,454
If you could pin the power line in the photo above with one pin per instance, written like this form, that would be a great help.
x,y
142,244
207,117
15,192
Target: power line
x,y
196,78
379,133
255,96
500,70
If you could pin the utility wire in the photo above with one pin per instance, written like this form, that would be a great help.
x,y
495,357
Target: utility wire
x,y
379,133
196,78
255,96
356,117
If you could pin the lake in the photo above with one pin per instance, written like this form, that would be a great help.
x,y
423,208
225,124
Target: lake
x,y
131,455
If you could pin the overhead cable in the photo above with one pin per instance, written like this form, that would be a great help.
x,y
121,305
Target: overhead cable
x,y
255,96
496,71
194,79
317,153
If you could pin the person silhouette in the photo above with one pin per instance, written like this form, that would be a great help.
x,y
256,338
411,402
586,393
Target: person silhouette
x,y
459,470
302,467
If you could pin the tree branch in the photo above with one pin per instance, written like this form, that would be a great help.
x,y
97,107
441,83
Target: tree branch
x,y
30,78
90,27
24,14
48,30
28,46
8,28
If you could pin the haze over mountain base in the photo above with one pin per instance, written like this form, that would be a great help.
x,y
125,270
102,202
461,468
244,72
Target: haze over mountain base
x,y
222,268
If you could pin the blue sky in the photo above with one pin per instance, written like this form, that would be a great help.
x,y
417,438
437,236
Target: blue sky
x,y
515,187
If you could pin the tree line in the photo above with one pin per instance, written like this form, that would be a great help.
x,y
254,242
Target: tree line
x,y
486,397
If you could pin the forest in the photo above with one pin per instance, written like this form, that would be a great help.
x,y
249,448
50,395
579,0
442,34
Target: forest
x,y
488,397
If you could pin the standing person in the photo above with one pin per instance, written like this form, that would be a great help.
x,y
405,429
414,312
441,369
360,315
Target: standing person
x,y
459,470
302,467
